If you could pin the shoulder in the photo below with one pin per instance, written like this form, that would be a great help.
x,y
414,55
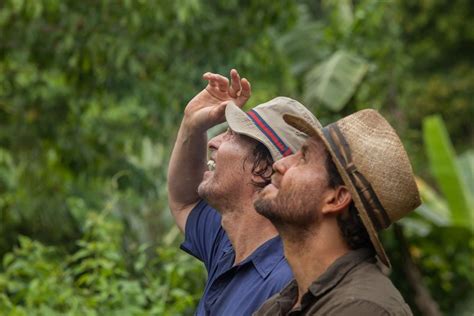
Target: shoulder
x,y
356,306
269,307
203,214
280,302
367,288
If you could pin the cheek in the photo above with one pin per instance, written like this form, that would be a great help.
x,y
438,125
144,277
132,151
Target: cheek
x,y
304,183
232,156
230,170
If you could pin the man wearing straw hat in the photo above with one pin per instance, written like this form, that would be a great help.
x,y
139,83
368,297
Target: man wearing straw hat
x,y
350,180
213,204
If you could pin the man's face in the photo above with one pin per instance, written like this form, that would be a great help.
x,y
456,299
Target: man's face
x,y
298,189
231,174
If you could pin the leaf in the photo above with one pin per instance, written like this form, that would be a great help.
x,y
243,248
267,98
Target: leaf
x,y
446,171
434,208
334,81
342,12
466,165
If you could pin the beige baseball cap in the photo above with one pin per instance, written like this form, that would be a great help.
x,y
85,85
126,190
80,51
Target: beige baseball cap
x,y
265,124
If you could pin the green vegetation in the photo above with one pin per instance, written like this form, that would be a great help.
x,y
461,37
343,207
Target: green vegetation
x,y
92,93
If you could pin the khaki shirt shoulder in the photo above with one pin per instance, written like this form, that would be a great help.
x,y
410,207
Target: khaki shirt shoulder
x,y
353,285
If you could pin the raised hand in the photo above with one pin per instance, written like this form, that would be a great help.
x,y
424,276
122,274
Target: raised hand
x,y
207,108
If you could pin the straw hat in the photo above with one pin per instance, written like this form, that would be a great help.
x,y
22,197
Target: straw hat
x,y
265,124
374,166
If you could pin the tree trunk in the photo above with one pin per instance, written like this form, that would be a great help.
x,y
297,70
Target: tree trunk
x,y
423,300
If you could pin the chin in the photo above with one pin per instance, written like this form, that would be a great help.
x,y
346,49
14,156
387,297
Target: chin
x,y
263,204
209,191
203,189
268,192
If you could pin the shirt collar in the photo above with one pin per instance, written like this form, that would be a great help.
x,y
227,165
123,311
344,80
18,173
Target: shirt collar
x,y
336,271
266,257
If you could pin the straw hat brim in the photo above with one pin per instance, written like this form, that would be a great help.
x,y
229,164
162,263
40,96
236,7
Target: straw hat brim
x,y
314,131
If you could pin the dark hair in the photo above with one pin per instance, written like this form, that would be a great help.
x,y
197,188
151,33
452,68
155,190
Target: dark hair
x,y
262,165
349,222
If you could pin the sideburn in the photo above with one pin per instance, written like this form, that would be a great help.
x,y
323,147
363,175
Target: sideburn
x,y
262,163
264,170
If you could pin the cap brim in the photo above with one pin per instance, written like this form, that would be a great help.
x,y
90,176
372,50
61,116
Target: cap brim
x,y
316,131
240,123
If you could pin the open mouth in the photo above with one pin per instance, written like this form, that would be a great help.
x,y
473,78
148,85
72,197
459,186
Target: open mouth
x,y
211,165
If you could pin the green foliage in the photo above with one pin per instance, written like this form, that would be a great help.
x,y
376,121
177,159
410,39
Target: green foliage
x,y
466,165
95,280
91,95
445,170
334,81
434,208
440,220
83,84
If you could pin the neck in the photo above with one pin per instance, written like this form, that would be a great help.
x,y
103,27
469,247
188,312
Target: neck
x,y
247,230
310,254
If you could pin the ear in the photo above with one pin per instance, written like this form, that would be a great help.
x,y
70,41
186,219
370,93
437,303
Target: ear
x,y
337,200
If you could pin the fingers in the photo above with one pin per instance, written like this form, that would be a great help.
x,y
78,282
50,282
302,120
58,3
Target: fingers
x,y
235,87
217,81
244,94
208,77
218,112
246,88
239,89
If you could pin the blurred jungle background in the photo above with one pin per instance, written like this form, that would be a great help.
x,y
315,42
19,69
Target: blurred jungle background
x,y
91,96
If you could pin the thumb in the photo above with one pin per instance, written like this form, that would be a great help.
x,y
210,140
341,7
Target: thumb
x,y
218,112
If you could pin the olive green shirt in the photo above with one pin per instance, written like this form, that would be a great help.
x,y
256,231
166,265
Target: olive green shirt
x,y
352,285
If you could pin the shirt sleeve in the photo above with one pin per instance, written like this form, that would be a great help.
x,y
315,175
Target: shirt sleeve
x,y
203,233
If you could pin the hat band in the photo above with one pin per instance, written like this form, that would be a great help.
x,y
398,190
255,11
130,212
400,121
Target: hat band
x,y
269,133
364,189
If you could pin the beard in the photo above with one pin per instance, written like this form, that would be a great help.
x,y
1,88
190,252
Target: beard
x,y
205,190
215,194
290,209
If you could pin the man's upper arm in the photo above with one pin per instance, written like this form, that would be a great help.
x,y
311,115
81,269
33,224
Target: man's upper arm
x,y
181,215
203,233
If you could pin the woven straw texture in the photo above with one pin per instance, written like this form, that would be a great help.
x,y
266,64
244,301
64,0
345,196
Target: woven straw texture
x,y
379,155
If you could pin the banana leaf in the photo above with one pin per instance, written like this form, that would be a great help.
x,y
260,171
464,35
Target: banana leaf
x,y
446,171
333,82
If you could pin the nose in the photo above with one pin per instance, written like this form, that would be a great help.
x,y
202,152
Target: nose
x,y
281,166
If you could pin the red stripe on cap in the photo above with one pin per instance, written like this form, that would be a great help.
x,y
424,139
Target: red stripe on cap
x,y
287,152
269,133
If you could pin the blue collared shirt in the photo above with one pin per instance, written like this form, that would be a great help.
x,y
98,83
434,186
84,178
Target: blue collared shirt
x,y
232,290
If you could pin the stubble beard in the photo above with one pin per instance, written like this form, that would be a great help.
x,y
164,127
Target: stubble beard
x,y
214,195
288,212
207,192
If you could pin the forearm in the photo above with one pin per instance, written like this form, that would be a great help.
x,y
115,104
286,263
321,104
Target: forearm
x,y
186,167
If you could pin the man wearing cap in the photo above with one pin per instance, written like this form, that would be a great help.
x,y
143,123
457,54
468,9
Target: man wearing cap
x,y
211,199
350,180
